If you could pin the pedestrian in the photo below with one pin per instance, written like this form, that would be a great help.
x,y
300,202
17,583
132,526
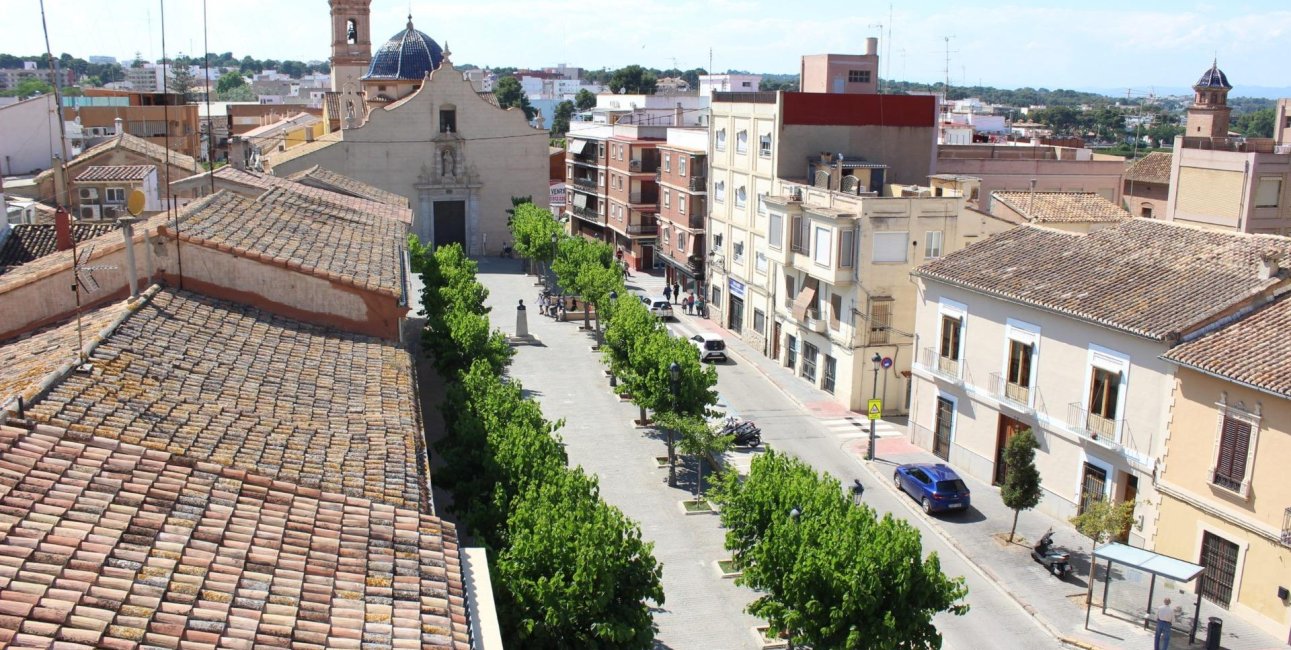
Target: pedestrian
x,y
667,292
1165,623
676,292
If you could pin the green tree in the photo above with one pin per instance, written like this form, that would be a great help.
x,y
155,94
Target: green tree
x,y
1103,520
511,95
584,100
1021,489
560,118
831,574
228,81
633,79
576,573
32,86
1258,124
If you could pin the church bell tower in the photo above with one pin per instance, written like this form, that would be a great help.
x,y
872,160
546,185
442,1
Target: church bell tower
x,y
351,43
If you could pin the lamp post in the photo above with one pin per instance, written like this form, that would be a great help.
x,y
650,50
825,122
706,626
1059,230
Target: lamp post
x,y
674,383
877,360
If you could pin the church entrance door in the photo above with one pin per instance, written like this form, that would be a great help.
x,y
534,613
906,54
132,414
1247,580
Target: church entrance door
x,y
450,223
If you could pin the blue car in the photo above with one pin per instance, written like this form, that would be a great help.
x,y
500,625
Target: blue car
x,y
936,487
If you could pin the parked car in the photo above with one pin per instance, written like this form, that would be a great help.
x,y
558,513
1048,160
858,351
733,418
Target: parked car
x,y
935,487
711,346
660,307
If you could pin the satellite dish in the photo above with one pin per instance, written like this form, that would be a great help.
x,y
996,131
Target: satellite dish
x,y
134,205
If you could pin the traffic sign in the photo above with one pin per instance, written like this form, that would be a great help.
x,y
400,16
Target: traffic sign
x,y
875,409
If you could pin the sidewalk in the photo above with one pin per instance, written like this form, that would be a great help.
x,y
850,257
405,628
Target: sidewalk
x,y
1058,605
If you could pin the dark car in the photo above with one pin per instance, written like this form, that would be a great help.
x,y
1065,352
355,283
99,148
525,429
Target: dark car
x,y
935,487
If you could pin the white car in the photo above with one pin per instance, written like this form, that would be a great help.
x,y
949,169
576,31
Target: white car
x,y
711,346
660,307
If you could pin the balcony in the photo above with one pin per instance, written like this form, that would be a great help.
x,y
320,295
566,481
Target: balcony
x,y
1014,395
945,367
643,198
1092,426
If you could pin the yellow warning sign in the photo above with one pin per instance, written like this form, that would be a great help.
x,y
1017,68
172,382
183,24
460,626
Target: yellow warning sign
x,y
875,409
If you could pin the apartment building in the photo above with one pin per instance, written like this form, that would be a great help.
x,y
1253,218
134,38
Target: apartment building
x,y
614,188
683,207
1225,499
1229,183
1064,333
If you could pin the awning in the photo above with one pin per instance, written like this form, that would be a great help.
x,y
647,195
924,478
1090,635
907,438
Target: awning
x,y
580,200
578,146
806,297
1167,567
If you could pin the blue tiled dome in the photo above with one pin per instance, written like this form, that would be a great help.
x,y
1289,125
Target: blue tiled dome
x,y
1214,78
409,54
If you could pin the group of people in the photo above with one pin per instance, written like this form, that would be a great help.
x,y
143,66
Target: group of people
x,y
689,304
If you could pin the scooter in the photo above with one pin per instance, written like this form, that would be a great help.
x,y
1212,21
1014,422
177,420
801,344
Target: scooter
x,y
746,434
1055,561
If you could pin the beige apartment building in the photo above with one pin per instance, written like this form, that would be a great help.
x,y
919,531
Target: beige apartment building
x,y
1064,333
1225,497
1229,183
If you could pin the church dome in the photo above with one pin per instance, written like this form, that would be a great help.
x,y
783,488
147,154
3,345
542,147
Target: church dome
x,y
1213,78
409,54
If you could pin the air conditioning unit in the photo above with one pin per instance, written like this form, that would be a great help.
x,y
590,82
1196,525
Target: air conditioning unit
x,y
89,193
89,212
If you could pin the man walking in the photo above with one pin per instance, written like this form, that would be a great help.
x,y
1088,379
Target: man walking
x,y
1165,622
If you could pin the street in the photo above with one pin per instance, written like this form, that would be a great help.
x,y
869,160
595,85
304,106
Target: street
x,y
702,609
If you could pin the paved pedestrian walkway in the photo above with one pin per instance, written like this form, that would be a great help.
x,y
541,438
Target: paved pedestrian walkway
x,y
1058,605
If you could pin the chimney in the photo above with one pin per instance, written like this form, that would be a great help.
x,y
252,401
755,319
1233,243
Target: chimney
x,y
116,126
871,46
62,230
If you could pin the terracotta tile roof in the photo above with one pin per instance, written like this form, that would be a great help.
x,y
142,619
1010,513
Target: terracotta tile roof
x,y
306,233
1254,350
330,180
29,359
1152,168
247,389
113,545
129,142
253,182
29,242
1151,278
114,173
1062,207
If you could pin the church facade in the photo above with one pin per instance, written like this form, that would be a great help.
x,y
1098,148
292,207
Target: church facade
x,y
417,127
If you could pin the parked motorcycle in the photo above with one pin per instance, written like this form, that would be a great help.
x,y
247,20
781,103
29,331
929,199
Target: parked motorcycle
x,y
1054,560
746,433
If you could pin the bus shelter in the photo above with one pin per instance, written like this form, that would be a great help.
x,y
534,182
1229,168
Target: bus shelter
x,y
1156,564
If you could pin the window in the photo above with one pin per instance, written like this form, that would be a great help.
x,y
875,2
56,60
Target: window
x,y
719,191
831,369
719,140
681,165
890,246
950,333
447,120
1268,192
667,162
764,145
1233,453
1219,557
667,198
824,242
880,321
858,76
760,262
741,197
742,142
737,251
932,244
116,195
775,231
1104,394
759,321
846,249
809,354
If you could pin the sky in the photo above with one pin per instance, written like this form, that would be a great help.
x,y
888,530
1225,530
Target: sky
x,y
1104,44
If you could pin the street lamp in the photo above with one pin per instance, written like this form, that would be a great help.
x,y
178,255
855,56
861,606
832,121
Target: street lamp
x,y
877,360
674,383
